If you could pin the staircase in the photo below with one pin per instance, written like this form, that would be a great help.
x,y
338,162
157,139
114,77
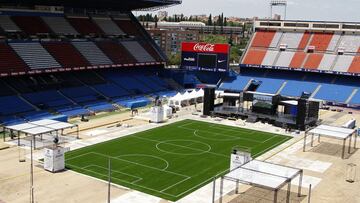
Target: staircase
x,y
351,96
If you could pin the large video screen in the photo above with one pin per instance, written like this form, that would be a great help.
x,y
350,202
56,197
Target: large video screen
x,y
207,60
205,56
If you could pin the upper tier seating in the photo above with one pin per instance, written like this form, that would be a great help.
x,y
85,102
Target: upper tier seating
x,y
34,55
343,63
108,26
10,61
327,62
31,25
269,58
350,43
116,52
355,65
66,54
59,25
284,59
321,41
292,39
128,27
92,53
151,50
304,40
254,57
140,54
10,105
263,39
313,61
84,25
8,25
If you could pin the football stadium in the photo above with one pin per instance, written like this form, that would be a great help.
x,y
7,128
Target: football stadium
x,y
91,110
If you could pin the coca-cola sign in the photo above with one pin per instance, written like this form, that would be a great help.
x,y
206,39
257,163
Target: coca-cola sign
x,y
204,47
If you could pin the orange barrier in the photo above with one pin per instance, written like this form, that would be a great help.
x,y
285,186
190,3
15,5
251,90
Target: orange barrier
x,y
321,41
313,61
254,57
263,38
297,60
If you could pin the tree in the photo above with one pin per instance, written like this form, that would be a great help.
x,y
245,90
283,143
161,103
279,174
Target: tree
x,y
175,59
156,21
225,21
210,20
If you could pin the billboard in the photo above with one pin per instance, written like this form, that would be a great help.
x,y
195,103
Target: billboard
x,y
205,56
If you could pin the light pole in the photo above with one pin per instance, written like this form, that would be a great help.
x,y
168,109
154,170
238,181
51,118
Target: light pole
x,y
31,174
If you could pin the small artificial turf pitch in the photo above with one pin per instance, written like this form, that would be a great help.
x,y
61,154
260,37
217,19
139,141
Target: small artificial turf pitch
x,y
170,161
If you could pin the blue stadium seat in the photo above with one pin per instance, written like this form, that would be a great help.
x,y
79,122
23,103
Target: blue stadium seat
x,y
237,85
269,85
334,93
11,105
292,88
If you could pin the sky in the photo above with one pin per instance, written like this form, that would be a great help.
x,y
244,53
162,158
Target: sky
x,y
326,10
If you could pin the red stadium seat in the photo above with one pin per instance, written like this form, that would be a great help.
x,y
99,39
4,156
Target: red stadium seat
x,y
9,60
321,41
355,65
116,52
254,57
313,61
304,41
84,25
263,38
31,25
297,60
65,54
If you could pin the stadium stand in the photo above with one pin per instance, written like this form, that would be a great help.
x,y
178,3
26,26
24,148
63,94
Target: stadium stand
x,y
350,43
10,61
108,26
59,25
284,59
116,52
254,57
327,62
270,58
8,25
127,26
34,55
139,53
92,53
84,25
263,39
292,39
321,41
31,25
65,54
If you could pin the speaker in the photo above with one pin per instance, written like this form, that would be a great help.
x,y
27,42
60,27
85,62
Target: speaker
x,y
209,101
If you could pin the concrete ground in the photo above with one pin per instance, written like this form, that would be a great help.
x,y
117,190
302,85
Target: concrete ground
x,y
323,167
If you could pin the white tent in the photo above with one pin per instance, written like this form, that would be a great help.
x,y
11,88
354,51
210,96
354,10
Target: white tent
x,y
180,100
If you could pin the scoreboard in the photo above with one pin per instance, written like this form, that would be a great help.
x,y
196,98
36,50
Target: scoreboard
x,y
205,56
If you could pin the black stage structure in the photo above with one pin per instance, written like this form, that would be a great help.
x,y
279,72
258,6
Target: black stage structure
x,y
286,112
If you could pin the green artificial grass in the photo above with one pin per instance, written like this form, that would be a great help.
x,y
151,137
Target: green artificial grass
x,y
170,161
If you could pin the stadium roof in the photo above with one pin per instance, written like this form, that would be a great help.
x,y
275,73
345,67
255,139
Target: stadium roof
x,y
95,4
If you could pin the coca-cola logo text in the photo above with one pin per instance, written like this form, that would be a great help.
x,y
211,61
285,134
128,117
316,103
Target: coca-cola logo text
x,y
204,47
